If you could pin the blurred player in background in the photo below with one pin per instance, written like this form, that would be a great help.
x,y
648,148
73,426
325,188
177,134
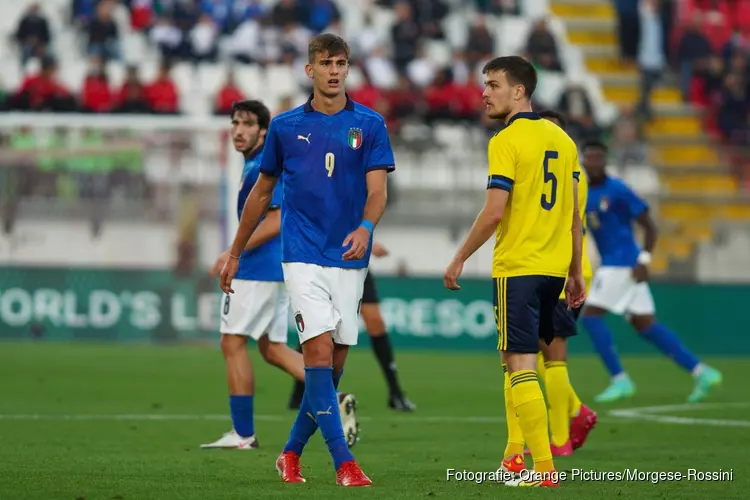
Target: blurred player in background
x,y
260,306
381,344
334,156
532,207
621,282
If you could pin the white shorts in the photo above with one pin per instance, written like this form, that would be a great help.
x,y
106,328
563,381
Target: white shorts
x,y
614,290
325,299
255,309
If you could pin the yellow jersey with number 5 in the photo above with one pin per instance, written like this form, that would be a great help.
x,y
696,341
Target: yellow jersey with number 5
x,y
588,272
537,162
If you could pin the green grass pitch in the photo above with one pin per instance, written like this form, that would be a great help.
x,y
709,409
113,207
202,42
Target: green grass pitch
x,y
93,421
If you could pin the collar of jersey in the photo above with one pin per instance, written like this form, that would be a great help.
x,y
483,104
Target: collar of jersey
x,y
309,108
529,115
254,155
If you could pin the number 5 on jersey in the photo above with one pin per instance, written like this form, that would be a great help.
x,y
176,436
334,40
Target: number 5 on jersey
x,y
548,203
330,163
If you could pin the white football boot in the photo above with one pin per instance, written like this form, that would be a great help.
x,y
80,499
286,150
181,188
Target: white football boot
x,y
233,441
348,410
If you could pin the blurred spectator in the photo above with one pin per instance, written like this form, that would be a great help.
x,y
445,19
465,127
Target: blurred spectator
x,y
43,91
295,38
733,112
32,33
286,12
498,7
133,91
367,94
694,50
141,14
405,34
245,42
460,68
204,39
167,37
542,47
737,43
627,146
651,57
421,70
576,105
429,15
227,95
471,99
161,94
402,102
480,43
103,33
367,38
185,13
320,14
440,98
219,12
629,29
246,10
82,11
285,104
381,69
96,96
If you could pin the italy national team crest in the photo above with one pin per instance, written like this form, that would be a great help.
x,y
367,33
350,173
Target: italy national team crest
x,y
355,138
299,322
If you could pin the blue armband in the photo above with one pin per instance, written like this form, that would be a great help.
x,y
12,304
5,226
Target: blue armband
x,y
367,225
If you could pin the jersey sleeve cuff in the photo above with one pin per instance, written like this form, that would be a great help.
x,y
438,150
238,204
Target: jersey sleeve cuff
x,y
275,206
577,175
500,182
387,168
271,173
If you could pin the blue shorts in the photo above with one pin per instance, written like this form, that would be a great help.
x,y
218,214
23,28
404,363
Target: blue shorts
x,y
525,311
564,321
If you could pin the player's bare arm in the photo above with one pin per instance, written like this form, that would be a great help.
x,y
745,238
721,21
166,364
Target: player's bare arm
x,y
483,228
575,286
377,196
645,221
268,229
255,208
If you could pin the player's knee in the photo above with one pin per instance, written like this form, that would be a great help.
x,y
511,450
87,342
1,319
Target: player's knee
x,y
231,345
556,351
642,323
318,351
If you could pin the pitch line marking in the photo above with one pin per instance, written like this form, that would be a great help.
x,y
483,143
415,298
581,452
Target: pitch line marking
x,y
657,414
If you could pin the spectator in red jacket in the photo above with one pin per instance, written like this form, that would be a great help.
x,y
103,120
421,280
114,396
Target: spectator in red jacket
x,y
161,94
96,96
470,98
43,92
227,95
367,95
442,98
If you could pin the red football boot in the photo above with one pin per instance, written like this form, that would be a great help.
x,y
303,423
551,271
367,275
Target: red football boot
x,y
514,464
349,474
581,425
287,465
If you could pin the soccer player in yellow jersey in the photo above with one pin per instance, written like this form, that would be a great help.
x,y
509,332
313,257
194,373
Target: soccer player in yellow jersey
x,y
532,208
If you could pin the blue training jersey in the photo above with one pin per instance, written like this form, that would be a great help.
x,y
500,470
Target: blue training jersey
x,y
611,209
324,160
262,263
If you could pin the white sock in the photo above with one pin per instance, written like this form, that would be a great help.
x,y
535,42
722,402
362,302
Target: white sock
x,y
697,370
620,376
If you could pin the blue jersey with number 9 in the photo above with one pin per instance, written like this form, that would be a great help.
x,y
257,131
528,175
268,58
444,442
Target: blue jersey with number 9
x,y
324,160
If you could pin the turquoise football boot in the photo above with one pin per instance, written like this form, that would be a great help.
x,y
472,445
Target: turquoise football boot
x,y
621,388
708,380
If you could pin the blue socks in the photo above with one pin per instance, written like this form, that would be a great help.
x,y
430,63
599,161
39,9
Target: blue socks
x,y
670,345
307,420
604,343
241,408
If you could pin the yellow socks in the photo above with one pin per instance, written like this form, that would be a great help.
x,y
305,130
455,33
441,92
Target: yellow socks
x,y
532,417
515,435
541,372
574,404
558,396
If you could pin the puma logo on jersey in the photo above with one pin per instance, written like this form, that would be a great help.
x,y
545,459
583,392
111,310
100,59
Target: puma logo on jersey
x,y
303,138
327,412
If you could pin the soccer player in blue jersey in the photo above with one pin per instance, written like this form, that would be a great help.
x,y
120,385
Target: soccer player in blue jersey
x,y
334,155
260,306
621,283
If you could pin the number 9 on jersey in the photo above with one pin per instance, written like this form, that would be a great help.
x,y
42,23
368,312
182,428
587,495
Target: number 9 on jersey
x,y
330,163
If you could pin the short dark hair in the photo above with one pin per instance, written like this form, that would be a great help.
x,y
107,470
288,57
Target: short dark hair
x,y
328,44
595,144
518,70
255,107
555,115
